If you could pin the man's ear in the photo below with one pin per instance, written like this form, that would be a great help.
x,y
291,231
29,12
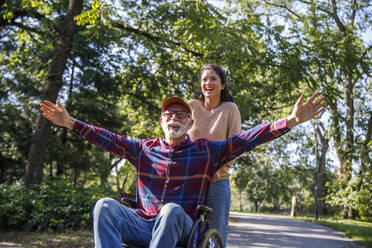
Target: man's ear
x,y
160,120
191,123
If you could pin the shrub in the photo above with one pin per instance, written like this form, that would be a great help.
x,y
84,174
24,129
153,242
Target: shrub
x,y
54,205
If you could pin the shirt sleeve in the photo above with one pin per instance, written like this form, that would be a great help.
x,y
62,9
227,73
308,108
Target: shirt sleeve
x,y
235,122
108,141
233,127
225,151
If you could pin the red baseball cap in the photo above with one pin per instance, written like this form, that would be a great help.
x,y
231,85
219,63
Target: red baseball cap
x,y
173,100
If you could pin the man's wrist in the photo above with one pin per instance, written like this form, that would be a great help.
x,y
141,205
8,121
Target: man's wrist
x,y
291,121
71,123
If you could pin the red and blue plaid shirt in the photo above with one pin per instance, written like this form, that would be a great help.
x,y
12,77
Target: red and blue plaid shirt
x,y
180,174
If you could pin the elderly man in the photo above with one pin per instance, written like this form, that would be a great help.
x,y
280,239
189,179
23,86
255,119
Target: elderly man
x,y
173,174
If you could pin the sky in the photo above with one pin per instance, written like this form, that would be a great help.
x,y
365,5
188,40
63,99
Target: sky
x,y
367,37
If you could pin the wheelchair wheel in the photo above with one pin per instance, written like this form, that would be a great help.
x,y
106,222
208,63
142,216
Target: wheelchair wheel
x,y
211,239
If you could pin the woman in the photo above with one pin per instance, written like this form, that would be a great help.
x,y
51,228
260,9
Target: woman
x,y
217,118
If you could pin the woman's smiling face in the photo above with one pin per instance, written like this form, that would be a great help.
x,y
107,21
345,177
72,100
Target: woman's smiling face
x,y
211,84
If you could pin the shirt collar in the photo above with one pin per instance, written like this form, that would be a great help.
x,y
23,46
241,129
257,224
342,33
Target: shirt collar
x,y
185,142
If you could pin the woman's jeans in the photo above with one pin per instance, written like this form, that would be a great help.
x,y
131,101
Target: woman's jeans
x,y
219,199
114,223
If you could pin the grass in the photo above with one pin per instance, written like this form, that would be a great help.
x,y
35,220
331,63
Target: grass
x,y
67,239
358,231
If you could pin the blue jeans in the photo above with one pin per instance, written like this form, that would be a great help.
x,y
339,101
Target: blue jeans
x,y
219,199
114,223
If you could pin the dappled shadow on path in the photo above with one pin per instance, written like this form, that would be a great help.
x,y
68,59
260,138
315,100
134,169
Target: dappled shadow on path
x,y
9,245
266,231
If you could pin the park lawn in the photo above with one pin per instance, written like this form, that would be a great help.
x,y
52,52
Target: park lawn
x,y
358,231
67,239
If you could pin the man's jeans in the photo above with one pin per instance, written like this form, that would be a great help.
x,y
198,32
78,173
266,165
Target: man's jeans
x,y
114,223
219,199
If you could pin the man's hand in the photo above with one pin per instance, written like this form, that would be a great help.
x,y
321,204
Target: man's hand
x,y
307,111
57,115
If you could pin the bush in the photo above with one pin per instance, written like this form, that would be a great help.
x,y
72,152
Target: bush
x,y
55,205
356,193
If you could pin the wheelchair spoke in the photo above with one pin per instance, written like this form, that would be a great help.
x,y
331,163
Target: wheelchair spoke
x,y
211,239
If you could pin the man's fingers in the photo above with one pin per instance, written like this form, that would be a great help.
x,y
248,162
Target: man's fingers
x,y
48,116
300,99
318,104
312,98
61,106
319,101
319,113
45,108
50,104
53,107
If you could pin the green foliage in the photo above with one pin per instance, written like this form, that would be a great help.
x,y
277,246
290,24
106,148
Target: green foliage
x,y
346,193
91,17
332,57
128,56
275,172
358,231
52,206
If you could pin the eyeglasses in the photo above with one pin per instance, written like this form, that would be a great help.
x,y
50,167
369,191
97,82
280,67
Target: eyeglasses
x,y
179,114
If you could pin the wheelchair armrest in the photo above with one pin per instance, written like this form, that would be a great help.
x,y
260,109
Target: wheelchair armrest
x,y
204,210
128,200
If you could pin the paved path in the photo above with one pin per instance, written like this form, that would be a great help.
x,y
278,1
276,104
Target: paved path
x,y
9,245
259,231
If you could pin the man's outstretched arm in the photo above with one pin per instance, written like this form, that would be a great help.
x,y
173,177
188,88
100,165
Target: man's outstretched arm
x,y
302,112
57,115
100,137
249,139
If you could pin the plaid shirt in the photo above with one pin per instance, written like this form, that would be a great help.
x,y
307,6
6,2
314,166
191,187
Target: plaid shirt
x,y
180,174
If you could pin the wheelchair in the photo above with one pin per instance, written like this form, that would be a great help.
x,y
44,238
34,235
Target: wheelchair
x,y
201,236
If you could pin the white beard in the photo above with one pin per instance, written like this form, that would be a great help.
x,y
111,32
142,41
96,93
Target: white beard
x,y
172,133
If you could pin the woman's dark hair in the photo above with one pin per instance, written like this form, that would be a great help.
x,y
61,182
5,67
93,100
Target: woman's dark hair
x,y
225,95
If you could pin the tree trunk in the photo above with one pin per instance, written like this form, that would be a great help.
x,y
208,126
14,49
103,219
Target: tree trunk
x,y
349,151
336,134
321,167
349,127
36,155
256,204
60,164
241,201
366,161
294,207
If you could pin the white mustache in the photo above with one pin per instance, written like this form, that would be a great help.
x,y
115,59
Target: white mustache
x,y
171,122
171,133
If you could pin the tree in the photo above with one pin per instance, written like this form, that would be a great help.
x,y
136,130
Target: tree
x,y
28,64
34,168
336,60
12,19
